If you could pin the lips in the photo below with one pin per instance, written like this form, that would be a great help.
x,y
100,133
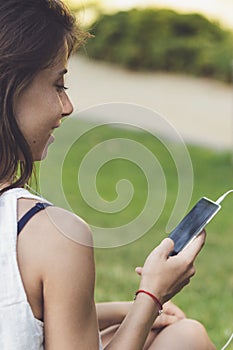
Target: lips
x,y
57,126
51,137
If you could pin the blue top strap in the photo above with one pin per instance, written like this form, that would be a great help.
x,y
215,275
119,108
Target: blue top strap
x,y
37,207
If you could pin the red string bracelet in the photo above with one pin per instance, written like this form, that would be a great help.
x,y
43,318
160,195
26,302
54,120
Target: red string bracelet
x,y
156,300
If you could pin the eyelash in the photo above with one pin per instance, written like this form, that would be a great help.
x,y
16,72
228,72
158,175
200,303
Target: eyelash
x,y
61,88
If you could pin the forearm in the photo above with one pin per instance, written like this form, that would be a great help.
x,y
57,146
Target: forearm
x,y
112,313
136,326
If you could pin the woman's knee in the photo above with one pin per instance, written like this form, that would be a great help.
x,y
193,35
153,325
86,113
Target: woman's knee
x,y
196,331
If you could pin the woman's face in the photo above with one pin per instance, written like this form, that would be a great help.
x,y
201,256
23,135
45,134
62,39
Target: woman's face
x,y
41,106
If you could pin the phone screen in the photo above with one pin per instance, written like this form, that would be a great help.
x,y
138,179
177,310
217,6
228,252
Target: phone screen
x,y
193,223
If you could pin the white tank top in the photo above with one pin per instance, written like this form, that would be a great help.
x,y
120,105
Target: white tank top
x,y
19,329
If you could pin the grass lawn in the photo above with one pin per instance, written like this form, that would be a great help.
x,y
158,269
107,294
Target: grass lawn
x,y
209,297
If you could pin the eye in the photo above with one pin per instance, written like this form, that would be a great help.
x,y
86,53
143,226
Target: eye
x,y
61,88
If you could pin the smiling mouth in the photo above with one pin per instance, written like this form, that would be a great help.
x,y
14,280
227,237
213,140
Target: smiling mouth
x,y
54,128
57,126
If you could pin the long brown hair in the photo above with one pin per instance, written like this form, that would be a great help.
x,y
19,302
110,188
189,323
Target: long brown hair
x,y
31,35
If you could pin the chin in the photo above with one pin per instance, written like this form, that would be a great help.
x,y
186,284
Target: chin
x,y
43,154
38,158
40,155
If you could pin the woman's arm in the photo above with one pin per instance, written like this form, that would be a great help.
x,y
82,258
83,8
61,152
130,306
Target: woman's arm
x,y
68,277
112,313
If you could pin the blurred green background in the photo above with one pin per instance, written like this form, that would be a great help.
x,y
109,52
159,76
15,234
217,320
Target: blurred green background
x,y
163,40
158,39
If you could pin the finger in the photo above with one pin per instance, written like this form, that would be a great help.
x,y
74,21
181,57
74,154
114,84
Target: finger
x,y
172,309
164,320
179,313
193,249
166,247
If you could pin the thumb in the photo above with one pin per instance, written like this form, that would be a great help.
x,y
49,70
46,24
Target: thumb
x,y
166,247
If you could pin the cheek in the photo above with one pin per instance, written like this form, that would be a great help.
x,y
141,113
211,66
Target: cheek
x,y
44,119
51,108
37,112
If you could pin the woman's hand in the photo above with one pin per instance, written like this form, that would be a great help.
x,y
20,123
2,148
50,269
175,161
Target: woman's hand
x,y
165,276
171,314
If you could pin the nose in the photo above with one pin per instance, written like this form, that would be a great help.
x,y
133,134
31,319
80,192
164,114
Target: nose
x,y
67,106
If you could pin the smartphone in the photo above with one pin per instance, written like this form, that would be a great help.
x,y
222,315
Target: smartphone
x,y
193,223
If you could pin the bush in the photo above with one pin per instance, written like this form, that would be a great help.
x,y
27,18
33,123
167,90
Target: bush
x,y
151,39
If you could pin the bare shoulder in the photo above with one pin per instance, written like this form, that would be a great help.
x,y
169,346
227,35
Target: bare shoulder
x,y
67,240
68,224
52,236
67,243
58,238
52,222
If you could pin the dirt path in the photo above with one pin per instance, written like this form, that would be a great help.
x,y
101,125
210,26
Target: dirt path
x,y
200,109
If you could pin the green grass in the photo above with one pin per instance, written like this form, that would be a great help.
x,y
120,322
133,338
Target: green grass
x,y
209,297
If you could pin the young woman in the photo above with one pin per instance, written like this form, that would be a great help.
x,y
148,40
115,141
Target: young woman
x,y
47,280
